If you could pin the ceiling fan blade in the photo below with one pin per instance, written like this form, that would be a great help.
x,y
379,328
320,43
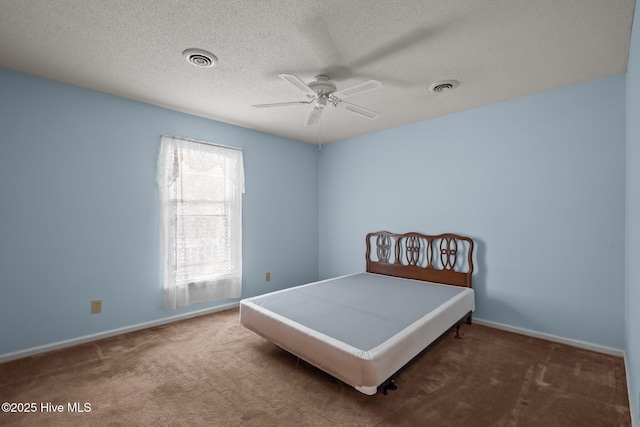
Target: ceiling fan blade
x,y
359,88
314,116
282,104
295,80
369,114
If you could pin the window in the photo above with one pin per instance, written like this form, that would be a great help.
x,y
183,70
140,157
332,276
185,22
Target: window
x,y
201,188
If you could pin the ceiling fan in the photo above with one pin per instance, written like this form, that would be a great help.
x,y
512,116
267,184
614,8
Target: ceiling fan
x,y
323,92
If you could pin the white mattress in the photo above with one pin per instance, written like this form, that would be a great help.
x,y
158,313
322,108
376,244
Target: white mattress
x,y
360,328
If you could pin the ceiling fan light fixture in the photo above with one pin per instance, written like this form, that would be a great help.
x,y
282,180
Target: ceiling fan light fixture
x,y
321,103
444,86
200,58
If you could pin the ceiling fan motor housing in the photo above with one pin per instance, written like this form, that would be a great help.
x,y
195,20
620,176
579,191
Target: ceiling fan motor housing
x,y
323,85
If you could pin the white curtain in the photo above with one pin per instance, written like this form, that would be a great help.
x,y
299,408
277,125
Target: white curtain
x,y
201,188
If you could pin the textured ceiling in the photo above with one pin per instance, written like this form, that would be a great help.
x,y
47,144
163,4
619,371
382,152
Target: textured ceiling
x,y
497,49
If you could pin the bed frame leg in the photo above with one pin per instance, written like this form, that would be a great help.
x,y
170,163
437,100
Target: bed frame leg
x,y
458,331
391,386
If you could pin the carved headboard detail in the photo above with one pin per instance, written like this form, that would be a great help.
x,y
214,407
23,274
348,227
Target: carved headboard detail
x,y
443,258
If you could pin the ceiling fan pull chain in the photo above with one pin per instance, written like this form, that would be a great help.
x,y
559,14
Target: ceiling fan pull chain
x,y
320,135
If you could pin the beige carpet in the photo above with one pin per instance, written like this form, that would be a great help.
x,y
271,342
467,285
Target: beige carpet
x,y
212,371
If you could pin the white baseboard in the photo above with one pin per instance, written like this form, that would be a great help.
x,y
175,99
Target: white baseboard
x,y
631,402
575,343
113,332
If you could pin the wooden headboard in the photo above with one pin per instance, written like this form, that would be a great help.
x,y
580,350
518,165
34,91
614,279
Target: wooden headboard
x,y
444,258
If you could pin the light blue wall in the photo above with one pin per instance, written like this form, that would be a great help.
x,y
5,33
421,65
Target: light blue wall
x,y
633,216
538,182
79,210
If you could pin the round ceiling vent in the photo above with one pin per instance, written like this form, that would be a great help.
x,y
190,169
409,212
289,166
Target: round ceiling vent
x,y
443,86
200,58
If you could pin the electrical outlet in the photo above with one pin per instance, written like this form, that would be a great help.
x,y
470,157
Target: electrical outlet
x,y
96,306
267,277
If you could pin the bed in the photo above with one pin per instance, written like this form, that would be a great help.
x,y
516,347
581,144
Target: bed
x,y
364,328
